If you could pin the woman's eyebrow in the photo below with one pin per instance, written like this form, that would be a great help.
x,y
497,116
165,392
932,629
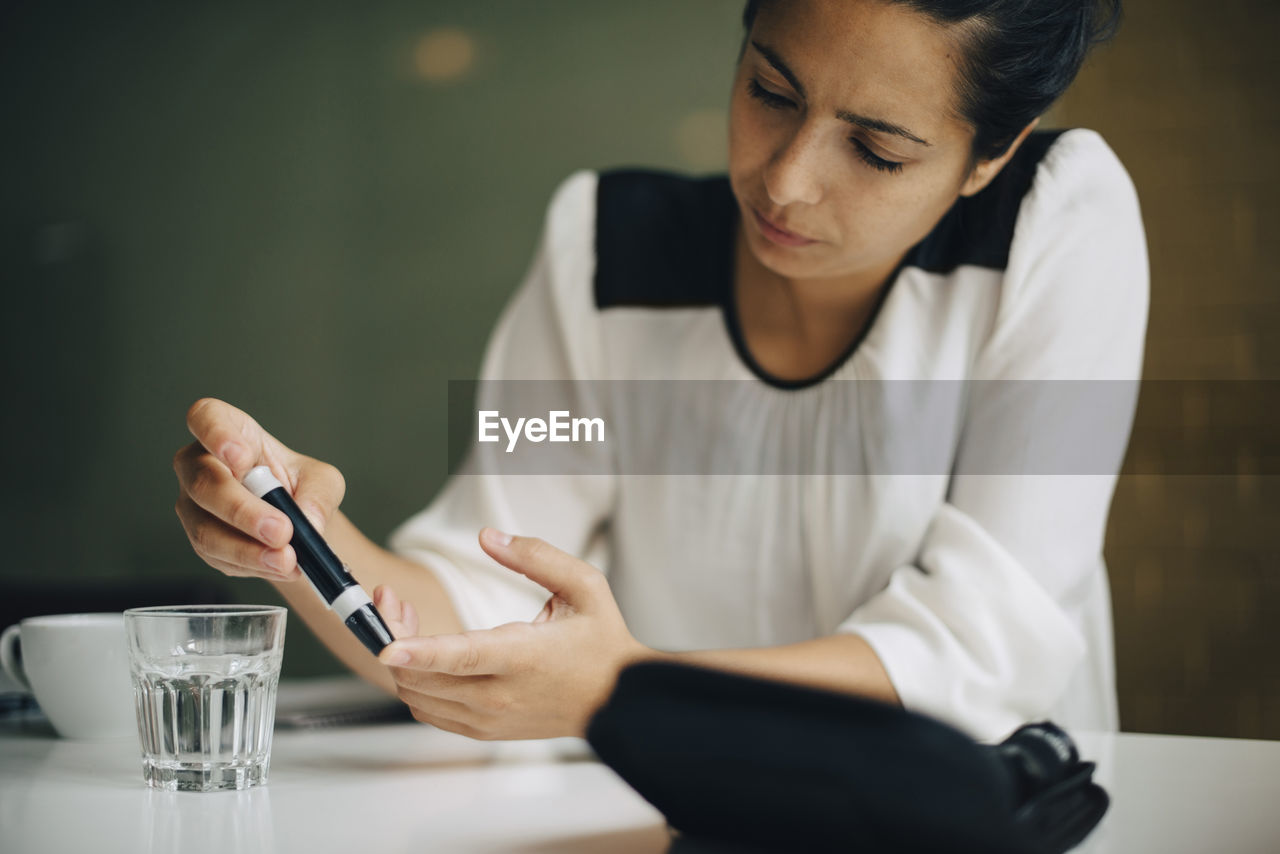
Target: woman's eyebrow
x,y
880,126
779,66
865,122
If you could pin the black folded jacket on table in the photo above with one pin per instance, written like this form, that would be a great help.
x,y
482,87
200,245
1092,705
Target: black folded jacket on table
x,y
771,766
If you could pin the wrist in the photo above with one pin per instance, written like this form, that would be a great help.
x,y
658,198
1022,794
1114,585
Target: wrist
x,y
632,652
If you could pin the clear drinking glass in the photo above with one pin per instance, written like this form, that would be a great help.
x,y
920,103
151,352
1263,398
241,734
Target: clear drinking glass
x,y
204,681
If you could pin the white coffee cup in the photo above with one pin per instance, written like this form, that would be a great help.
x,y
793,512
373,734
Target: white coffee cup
x,y
77,665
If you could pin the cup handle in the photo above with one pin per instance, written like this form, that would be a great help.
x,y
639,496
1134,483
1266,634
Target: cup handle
x,y
11,658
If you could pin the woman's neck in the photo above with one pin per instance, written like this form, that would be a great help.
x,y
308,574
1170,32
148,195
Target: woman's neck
x,y
814,311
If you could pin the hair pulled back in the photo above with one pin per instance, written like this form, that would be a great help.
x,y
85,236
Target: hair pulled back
x,y
1019,56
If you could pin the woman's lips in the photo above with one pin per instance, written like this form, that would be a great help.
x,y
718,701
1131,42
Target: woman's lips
x,y
779,235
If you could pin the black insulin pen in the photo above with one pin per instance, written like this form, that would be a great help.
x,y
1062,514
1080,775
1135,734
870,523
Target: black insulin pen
x,y
329,576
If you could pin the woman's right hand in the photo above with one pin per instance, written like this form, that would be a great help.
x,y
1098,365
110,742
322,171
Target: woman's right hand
x,y
230,528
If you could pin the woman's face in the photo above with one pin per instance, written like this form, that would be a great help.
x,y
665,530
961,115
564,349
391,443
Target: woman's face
x,y
843,135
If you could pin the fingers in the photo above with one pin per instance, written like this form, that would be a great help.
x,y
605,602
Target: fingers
x,y
447,714
319,490
387,602
446,724
433,707
212,487
461,689
440,712
577,582
410,619
228,433
475,653
443,700
466,704
222,517
400,616
231,551
459,655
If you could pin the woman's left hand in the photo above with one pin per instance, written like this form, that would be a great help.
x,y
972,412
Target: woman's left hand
x,y
522,680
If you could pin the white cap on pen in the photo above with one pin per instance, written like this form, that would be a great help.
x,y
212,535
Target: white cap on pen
x,y
260,481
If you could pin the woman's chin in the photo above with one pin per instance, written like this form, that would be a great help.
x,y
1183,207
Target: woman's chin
x,y
791,262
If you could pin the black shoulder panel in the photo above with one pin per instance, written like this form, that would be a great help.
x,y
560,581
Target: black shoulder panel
x,y
978,230
663,240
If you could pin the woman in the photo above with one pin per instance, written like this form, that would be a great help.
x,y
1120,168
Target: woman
x,y
889,215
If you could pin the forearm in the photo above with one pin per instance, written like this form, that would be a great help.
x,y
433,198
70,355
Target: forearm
x,y
844,662
371,565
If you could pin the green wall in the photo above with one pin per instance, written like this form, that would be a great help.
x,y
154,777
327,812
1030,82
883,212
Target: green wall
x,y
269,203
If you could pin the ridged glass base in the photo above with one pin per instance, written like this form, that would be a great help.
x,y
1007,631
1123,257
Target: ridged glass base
x,y
208,777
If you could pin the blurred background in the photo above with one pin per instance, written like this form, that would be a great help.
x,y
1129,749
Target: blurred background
x,y
316,210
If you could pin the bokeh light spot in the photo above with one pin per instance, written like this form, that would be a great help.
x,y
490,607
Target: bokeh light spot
x,y
444,55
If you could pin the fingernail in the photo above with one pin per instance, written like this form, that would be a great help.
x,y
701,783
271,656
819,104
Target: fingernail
x,y
398,656
232,454
494,537
270,530
274,559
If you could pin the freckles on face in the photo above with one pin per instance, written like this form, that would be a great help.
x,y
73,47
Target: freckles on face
x,y
844,150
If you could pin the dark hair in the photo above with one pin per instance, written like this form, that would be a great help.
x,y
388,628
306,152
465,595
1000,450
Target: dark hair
x,y
1019,56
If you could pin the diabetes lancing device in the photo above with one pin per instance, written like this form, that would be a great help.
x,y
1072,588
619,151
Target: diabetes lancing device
x,y
328,575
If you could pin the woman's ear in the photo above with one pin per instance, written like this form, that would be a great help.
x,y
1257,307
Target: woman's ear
x,y
982,173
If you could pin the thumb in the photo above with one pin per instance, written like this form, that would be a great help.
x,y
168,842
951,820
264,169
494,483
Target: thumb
x,y
319,491
562,574
230,434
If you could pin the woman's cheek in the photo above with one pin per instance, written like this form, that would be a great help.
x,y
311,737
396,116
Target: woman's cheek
x,y
749,145
737,134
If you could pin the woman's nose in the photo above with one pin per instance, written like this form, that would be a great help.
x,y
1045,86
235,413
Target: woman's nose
x,y
794,173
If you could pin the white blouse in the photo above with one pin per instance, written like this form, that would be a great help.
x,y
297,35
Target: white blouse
x,y
972,566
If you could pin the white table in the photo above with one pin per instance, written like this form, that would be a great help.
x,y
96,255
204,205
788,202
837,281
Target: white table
x,y
410,788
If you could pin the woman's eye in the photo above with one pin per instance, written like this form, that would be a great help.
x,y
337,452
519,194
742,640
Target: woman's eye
x,y
780,102
867,156
769,99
